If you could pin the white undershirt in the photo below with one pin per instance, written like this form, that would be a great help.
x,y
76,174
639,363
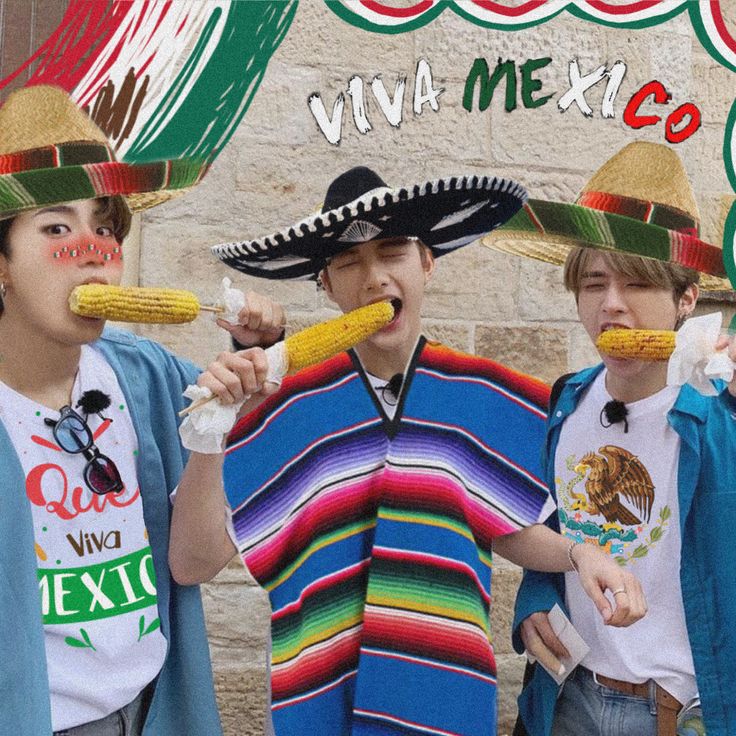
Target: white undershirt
x,y
378,386
656,647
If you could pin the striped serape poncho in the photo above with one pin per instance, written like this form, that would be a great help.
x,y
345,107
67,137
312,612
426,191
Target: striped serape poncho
x,y
373,538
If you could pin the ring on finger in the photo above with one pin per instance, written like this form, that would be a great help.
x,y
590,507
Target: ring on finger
x,y
619,590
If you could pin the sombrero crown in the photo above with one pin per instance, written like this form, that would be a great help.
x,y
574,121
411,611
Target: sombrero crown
x,y
639,202
51,152
359,206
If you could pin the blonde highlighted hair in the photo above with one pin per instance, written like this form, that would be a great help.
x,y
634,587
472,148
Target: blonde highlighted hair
x,y
657,273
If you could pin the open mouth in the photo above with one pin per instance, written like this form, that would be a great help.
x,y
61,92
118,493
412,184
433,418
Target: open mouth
x,y
613,326
398,305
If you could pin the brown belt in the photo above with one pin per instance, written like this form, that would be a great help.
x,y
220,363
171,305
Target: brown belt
x,y
667,705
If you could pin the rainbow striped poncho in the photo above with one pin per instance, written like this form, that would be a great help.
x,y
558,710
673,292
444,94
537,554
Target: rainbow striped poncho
x,y
373,538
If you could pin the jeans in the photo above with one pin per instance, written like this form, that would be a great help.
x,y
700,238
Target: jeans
x,y
586,708
128,721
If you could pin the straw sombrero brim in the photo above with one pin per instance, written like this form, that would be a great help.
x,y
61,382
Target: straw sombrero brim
x,y
444,214
547,231
143,185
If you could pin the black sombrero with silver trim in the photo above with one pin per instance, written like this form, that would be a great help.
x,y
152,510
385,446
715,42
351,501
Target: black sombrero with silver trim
x,y
444,214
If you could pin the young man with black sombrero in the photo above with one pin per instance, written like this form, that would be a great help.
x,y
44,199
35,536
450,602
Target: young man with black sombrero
x,y
370,493
98,640
643,470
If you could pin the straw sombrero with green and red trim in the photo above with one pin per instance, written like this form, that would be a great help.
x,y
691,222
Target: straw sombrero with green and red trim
x,y
52,152
639,202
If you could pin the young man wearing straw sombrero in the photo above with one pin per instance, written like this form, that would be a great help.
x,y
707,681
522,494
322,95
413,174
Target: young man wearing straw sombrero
x,y
644,470
369,494
97,638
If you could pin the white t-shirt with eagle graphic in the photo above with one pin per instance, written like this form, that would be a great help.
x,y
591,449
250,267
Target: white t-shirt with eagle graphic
x,y
96,581
618,490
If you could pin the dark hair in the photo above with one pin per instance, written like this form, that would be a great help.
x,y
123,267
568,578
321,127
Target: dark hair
x,y
114,208
120,217
4,230
4,247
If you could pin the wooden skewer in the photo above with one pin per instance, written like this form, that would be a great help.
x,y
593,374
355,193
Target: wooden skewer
x,y
195,405
208,308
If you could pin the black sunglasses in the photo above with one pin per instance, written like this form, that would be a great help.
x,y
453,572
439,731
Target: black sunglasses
x,y
73,435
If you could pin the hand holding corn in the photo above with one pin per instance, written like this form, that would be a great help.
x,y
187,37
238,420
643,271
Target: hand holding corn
x,y
236,375
312,345
252,319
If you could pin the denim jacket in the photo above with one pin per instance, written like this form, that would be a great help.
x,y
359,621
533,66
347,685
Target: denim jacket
x,y
706,480
152,381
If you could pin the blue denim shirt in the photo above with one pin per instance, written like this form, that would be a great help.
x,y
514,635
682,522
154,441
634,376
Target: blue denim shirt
x,y
707,498
152,381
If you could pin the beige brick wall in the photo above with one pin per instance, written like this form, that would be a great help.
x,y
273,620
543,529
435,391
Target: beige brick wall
x,y
278,164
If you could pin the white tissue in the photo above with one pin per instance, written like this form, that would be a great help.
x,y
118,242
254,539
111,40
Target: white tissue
x,y
695,360
204,429
572,641
231,300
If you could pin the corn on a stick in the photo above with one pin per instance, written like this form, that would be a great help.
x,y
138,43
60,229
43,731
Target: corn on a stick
x,y
637,344
136,304
319,342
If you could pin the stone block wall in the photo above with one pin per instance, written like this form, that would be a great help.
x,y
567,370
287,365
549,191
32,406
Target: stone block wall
x,y
278,164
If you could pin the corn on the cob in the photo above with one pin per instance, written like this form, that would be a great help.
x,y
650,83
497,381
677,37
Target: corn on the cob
x,y
134,304
637,344
319,342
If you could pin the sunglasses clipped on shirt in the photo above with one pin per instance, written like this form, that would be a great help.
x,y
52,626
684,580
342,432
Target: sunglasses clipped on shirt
x,y
73,435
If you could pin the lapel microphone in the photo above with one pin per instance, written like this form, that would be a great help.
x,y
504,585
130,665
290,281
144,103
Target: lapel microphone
x,y
614,411
393,389
93,402
395,383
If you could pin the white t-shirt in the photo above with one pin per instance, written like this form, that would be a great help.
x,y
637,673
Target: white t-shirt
x,y
95,571
594,467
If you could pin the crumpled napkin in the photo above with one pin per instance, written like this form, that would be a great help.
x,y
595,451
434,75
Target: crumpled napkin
x,y
695,360
204,429
231,300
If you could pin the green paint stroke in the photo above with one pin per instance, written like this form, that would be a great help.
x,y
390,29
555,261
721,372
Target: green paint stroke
x,y
696,18
729,229
729,233
223,90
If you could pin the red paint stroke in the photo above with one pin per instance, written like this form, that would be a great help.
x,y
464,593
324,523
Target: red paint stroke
x,y
45,443
78,43
84,250
635,7
506,11
53,446
631,115
183,23
723,32
66,55
101,429
382,9
142,70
